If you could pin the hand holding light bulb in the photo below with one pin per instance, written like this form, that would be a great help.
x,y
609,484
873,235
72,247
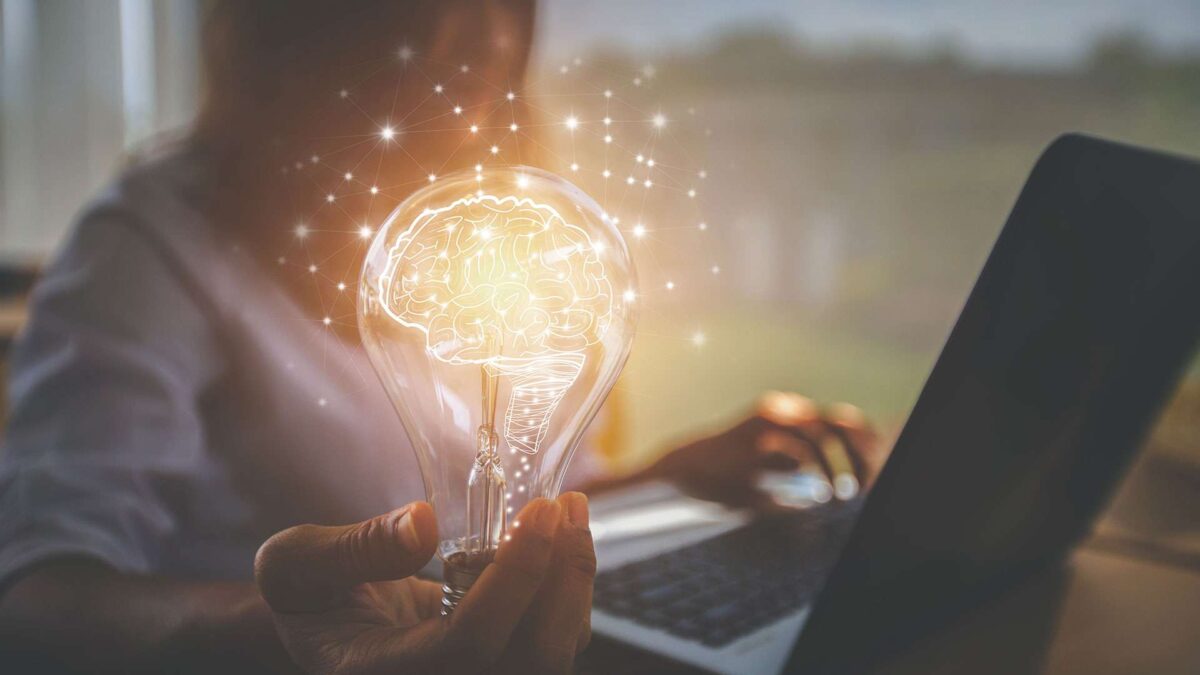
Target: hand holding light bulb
x,y
343,599
497,308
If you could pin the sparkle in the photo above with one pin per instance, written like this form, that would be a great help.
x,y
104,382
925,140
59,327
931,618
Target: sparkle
x,y
574,166
640,158
344,93
691,193
572,122
698,339
607,121
639,230
703,226
495,150
312,269
464,68
432,177
606,173
630,180
608,138
702,174
513,127
374,189
659,121
608,93
387,133
478,168
341,286
523,181
330,198
629,296
348,176
474,128
458,110
510,96
437,88
322,402
647,183
301,231
327,321
670,285
716,269
406,53
650,162
364,232
314,159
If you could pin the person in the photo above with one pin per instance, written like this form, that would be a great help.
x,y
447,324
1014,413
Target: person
x,y
174,405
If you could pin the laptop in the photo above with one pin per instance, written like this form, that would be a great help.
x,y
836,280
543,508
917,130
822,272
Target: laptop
x,y
1082,320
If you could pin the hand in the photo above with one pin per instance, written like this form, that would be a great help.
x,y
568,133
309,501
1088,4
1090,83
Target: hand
x,y
344,601
786,432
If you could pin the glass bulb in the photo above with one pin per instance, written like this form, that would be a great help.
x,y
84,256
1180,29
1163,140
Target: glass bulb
x,y
497,307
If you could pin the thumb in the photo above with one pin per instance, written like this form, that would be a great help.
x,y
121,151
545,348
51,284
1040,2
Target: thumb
x,y
305,568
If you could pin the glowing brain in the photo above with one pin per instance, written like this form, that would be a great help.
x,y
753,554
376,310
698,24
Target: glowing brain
x,y
505,282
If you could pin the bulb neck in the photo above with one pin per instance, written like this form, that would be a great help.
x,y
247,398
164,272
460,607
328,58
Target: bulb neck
x,y
459,573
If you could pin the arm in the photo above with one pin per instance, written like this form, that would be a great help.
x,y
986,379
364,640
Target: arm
x,y
83,615
105,428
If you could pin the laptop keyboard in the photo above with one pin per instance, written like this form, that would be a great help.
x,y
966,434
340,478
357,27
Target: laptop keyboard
x,y
723,588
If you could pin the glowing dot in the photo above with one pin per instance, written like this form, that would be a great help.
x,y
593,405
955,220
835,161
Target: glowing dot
x,y
432,177
374,189
639,159
388,133
637,81
458,110
364,232
327,321
608,93
516,523
341,286
344,94
598,247
698,339
513,127
629,295
703,174
322,402
478,168
474,128
639,230
348,176
523,181
301,231
716,269
406,53
495,150
572,122
650,162
281,260
520,488
659,121
670,285
330,198
630,180
703,226
606,173
691,193
607,121
647,183
508,537
517,474
437,88
312,269
563,69
464,68
574,166
314,159
608,138
510,96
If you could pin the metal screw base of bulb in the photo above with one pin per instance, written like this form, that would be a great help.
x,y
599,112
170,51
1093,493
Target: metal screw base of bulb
x,y
459,573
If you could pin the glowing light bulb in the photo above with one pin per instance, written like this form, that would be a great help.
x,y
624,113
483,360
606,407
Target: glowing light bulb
x,y
497,329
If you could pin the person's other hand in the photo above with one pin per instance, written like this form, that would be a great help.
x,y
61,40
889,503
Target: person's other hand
x,y
344,601
786,432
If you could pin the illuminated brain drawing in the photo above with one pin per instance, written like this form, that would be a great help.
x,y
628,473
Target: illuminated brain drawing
x,y
507,283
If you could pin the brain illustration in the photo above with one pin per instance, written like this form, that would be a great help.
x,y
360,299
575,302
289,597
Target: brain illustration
x,y
491,277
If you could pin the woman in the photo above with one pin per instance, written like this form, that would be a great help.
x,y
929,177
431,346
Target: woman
x,y
175,402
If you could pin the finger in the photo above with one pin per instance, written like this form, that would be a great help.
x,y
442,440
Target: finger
x,y
486,617
305,568
562,608
850,424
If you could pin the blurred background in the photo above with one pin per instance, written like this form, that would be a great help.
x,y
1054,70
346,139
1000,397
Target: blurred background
x,y
859,157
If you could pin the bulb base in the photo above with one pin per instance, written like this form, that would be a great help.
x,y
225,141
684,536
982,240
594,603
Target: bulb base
x,y
459,573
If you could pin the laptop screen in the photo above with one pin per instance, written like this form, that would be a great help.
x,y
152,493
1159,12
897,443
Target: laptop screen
x,y
1075,332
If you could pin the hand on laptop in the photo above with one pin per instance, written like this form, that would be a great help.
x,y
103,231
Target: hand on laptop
x,y
786,432
344,599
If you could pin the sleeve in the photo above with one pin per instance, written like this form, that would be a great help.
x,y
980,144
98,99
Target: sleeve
x,y
105,386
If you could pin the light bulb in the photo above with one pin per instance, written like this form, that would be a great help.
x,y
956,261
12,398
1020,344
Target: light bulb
x,y
496,309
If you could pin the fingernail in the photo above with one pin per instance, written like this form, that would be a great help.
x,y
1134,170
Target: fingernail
x,y
546,517
406,529
577,508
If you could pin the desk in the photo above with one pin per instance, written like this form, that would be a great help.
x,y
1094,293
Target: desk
x,y
1100,613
